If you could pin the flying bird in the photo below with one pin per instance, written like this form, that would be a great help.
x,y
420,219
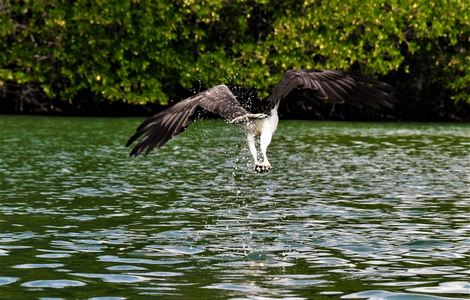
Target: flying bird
x,y
324,85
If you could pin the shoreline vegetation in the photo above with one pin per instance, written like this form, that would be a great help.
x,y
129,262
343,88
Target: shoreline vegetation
x,y
136,58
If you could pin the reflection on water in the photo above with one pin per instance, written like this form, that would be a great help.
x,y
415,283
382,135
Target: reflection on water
x,y
351,210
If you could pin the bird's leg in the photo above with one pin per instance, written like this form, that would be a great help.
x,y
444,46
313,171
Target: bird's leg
x,y
250,138
265,140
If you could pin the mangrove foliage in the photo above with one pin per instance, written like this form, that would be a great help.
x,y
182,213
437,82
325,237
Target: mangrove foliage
x,y
144,51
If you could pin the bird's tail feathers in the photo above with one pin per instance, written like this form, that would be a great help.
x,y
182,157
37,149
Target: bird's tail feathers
x,y
247,117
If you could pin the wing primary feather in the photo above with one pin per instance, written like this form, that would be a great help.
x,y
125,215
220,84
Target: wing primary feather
x,y
334,86
332,95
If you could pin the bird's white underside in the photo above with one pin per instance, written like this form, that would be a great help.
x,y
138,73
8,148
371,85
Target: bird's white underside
x,y
263,130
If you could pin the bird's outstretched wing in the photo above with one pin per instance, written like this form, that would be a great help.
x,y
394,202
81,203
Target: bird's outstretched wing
x,y
157,130
335,87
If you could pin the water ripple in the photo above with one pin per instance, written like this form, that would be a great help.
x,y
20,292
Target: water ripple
x,y
350,210
55,284
8,280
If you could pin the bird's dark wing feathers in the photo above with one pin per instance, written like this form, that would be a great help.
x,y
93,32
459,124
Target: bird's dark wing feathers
x,y
335,87
159,129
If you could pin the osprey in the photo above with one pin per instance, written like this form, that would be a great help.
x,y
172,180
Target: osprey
x,y
328,85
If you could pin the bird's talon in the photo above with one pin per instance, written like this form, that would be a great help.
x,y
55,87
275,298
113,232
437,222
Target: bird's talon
x,y
262,168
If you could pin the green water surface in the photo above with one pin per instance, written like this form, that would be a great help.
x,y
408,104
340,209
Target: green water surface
x,y
350,211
